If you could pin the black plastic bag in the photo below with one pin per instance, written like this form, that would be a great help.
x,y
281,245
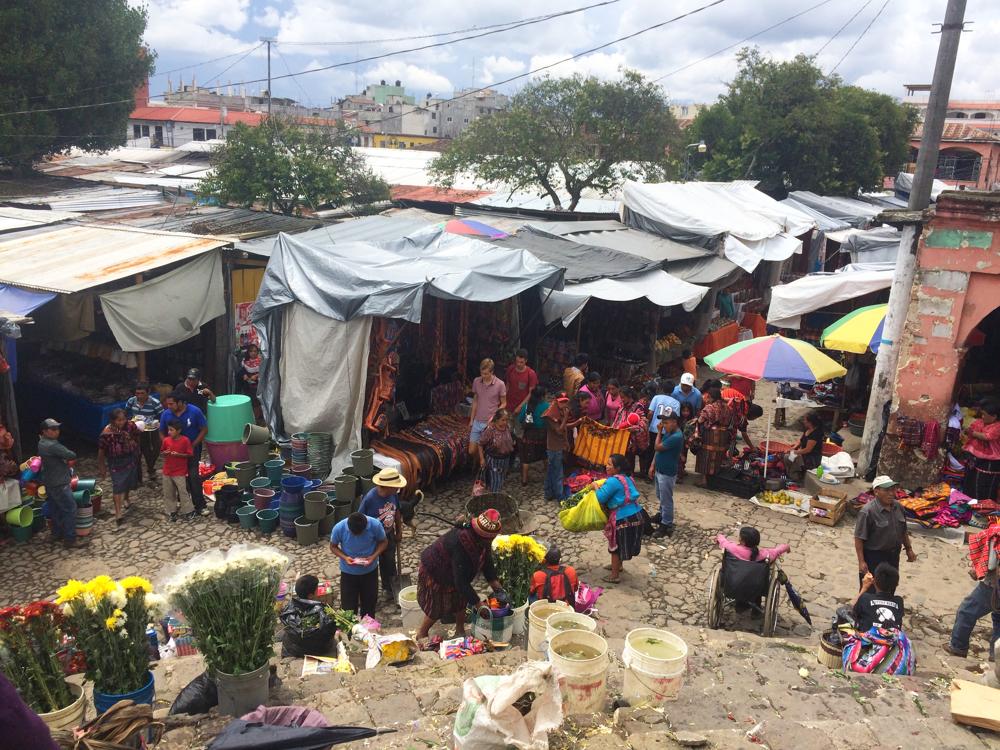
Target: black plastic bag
x,y
308,628
197,697
242,735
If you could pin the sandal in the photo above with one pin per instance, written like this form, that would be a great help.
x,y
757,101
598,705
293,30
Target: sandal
x,y
609,579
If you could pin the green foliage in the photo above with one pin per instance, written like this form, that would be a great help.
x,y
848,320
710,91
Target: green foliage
x,y
60,54
571,133
289,167
791,127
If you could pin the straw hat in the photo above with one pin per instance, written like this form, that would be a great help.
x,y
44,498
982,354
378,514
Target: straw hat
x,y
389,478
487,523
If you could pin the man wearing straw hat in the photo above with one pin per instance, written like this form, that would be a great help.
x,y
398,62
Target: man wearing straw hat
x,y
382,503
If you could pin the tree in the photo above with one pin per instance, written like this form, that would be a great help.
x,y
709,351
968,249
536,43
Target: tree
x,y
286,166
569,133
792,127
65,56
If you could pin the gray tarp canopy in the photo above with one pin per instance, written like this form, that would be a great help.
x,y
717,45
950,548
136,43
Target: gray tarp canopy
x,y
330,290
879,245
364,229
848,210
582,262
823,222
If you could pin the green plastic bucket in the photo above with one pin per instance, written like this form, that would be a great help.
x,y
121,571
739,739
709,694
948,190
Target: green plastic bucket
x,y
260,483
21,533
247,516
22,517
267,520
82,498
227,417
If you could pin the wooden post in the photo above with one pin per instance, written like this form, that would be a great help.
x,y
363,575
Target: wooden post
x,y
141,356
653,336
579,330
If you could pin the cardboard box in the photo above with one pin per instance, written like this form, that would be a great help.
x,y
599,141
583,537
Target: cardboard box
x,y
833,503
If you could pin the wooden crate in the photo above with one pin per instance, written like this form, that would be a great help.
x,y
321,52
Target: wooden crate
x,y
834,502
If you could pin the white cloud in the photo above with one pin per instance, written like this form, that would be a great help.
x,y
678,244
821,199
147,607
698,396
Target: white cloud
x,y
498,68
599,64
197,26
416,79
270,18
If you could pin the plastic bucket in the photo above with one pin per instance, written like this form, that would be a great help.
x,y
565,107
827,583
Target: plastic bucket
x,y
229,452
327,522
85,484
413,616
248,516
363,462
267,520
255,434
306,531
648,678
82,498
315,505
367,485
243,472
293,484
70,717
260,483
347,486
341,510
241,694
521,619
227,417
583,682
262,498
274,467
580,622
538,613
258,454
104,701
21,516
21,533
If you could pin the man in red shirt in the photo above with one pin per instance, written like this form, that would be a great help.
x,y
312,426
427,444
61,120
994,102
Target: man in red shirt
x,y
555,582
177,451
520,381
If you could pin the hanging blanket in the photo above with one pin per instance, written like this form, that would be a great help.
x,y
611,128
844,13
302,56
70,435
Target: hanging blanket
x,y
595,442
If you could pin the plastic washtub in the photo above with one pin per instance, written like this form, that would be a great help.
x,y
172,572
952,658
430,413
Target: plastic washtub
x,y
228,417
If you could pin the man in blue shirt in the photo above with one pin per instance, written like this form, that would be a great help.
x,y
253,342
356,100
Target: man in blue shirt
x,y
358,541
658,403
194,427
382,503
669,441
686,393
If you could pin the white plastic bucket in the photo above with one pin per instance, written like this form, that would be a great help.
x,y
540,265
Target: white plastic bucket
x,y
583,682
520,619
413,616
649,679
582,622
538,613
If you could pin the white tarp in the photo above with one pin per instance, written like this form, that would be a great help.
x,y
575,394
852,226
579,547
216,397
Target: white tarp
x,y
323,376
789,302
658,287
168,309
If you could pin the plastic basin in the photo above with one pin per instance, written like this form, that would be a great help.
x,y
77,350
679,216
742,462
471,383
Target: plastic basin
x,y
267,520
229,452
227,417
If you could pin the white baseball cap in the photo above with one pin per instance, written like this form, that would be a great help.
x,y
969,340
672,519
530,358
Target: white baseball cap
x,y
687,379
883,481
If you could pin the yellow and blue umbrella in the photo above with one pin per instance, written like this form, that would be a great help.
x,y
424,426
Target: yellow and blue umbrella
x,y
775,358
856,331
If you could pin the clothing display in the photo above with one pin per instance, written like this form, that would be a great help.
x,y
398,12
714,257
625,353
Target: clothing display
x,y
595,443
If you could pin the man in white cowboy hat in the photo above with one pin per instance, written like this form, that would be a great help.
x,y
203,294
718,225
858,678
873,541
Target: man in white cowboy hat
x,y
382,503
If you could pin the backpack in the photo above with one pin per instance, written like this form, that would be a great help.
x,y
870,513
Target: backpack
x,y
568,595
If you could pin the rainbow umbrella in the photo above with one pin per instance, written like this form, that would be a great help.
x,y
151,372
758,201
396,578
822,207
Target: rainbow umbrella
x,y
775,358
473,228
856,331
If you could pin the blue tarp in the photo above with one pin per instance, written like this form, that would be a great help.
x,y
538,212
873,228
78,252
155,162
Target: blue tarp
x,y
13,299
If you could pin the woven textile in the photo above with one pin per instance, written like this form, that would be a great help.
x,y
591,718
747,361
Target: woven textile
x,y
595,443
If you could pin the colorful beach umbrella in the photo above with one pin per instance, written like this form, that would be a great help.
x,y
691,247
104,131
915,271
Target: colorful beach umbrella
x,y
856,331
775,358
473,228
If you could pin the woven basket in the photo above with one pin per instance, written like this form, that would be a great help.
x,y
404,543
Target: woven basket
x,y
829,655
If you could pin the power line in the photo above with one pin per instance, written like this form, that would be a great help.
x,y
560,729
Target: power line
x,y
743,40
846,24
307,100
860,37
233,65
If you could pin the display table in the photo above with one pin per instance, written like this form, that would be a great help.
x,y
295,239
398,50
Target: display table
x,y
79,415
718,339
756,323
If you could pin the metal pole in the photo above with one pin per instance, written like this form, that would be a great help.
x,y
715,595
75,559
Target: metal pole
x,y
887,358
268,40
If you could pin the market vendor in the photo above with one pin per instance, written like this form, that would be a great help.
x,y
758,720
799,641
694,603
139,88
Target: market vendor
x,y
382,503
194,428
982,478
808,453
147,408
306,627
450,565
593,407
632,417
196,393
880,531
620,499
715,430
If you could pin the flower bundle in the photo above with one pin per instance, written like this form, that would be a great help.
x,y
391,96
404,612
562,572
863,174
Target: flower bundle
x,y
517,557
30,637
108,618
228,600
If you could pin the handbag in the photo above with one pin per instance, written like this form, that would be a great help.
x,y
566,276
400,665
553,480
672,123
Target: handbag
x,y
479,485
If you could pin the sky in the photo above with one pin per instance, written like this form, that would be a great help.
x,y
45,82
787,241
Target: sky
x,y
898,49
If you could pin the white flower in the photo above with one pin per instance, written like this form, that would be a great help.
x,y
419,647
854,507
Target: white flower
x,y
67,610
118,597
156,605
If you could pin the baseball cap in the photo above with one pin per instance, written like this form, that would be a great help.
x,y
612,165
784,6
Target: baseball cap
x,y
687,379
50,424
883,481
194,372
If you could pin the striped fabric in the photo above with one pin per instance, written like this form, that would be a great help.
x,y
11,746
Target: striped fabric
x,y
595,443
979,548
152,409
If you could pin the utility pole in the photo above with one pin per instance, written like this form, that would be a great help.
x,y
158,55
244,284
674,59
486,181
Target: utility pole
x,y
268,40
887,358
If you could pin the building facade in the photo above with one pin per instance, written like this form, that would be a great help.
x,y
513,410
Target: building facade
x,y
969,157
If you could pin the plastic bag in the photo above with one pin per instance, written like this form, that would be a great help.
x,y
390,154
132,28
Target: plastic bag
x,y
197,697
586,598
496,712
308,628
587,515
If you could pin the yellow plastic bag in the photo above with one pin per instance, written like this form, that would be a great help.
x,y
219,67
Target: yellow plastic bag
x,y
587,515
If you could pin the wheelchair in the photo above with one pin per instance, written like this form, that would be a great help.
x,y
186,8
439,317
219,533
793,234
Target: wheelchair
x,y
734,580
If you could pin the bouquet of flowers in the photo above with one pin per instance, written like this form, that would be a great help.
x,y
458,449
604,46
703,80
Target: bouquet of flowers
x,y
108,619
228,600
30,637
516,558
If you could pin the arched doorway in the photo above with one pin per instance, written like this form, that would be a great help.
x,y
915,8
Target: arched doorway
x,y
958,164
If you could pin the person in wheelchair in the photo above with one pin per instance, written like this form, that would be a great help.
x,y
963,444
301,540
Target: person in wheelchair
x,y
748,549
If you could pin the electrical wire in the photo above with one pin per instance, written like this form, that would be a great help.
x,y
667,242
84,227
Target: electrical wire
x,y
307,99
860,37
234,64
846,24
743,40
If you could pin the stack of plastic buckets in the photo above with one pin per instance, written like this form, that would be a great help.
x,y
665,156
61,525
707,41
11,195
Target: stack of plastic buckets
x,y
227,419
257,439
291,505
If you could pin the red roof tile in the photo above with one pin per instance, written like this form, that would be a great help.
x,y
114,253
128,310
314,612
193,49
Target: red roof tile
x,y
194,114
959,131
420,193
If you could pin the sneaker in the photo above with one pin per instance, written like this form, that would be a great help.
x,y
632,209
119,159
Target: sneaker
x,y
189,516
949,649
173,516
203,512
663,531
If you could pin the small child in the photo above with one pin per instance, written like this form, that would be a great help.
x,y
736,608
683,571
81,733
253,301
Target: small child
x,y
176,450
749,546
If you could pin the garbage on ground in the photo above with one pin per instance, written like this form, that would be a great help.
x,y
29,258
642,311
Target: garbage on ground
x,y
459,648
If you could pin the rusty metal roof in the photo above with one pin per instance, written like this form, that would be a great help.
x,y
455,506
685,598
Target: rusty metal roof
x,y
13,218
74,257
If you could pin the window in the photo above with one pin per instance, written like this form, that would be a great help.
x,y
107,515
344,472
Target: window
x,y
466,121
210,134
199,134
145,131
435,129
158,133
684,111
449,119
959,165
979,116
434,115
136,131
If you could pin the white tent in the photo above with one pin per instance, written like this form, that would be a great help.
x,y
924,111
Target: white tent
x,y
789,302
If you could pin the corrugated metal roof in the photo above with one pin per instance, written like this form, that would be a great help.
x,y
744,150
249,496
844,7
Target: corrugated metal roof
x,y
12,219
422,194
74,257
544,203
618,236
230,222
363,229
96,198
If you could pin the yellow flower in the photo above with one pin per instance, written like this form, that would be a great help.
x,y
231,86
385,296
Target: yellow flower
x,y
72,590
117,618
131,583
100,586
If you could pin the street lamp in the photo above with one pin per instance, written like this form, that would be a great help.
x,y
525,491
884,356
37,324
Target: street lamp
x,y
700,147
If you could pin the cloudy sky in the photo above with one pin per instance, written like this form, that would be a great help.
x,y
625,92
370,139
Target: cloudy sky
x,y
899,47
